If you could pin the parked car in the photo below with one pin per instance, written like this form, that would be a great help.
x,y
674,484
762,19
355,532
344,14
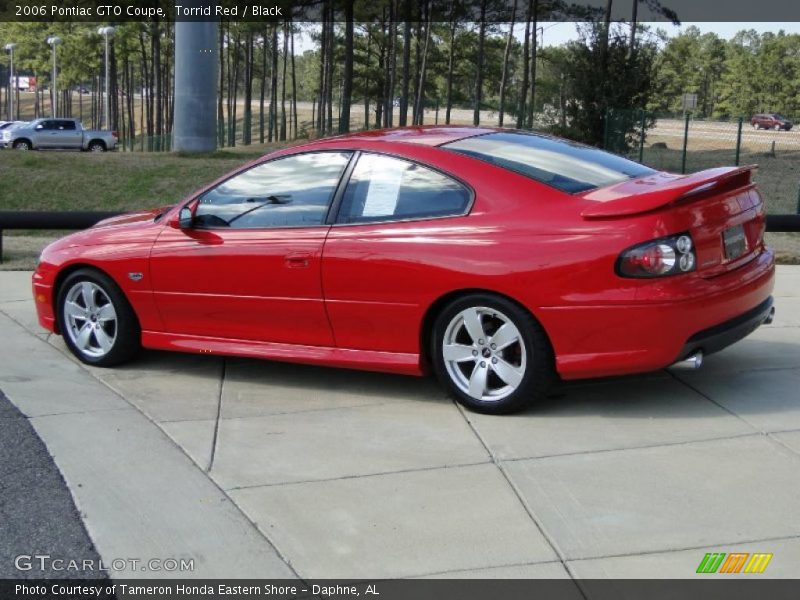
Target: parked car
x,y
5,131
498,260
771,121
48,134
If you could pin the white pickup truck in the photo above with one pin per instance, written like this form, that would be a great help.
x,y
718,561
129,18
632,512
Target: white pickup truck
x,y
64,134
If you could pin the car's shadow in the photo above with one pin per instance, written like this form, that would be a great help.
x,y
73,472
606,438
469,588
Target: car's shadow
x,y
659,394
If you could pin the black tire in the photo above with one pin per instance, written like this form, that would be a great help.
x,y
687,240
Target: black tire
x,y
539,371
127,333
22,145
96,146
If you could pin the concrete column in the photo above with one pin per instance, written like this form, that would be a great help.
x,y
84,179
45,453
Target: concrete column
x,y
196,75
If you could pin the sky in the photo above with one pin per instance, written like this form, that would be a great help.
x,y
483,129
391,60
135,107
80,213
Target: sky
x,y
556,34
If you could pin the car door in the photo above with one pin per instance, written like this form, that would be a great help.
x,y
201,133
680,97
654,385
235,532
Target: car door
x,y
65,134
249,266
396,225
43,134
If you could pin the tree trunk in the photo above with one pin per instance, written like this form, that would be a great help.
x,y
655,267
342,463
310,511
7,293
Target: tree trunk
x,y
273,93
634,20
534,46
248,90
221,91
451,62
294,85
419,110
506,54
476,115
403,119
523,96
283,79
347,83
263,87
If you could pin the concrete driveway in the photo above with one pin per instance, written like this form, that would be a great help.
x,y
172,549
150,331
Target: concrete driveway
x,y
321,473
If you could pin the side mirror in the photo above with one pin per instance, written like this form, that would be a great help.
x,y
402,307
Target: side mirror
x,y
185,218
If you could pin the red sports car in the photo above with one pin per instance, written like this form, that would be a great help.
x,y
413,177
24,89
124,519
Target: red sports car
x,y
499,260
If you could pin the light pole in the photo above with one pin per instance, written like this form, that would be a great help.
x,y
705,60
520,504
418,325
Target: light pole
x,y
107,32
11,81
54,41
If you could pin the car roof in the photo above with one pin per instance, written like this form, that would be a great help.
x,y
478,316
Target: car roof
x,y
426,135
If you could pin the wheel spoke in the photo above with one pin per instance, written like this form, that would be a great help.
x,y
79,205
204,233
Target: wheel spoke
x,y
103,339
472,321
76,311
87,293
505,336
507,372
106,313
457,352
84,334
477,381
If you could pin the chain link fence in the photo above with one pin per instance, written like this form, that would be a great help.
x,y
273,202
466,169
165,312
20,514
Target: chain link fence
x,y
685,144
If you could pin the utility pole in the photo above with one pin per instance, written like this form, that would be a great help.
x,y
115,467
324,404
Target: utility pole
x,y
107,32
196,74
12,81
54,41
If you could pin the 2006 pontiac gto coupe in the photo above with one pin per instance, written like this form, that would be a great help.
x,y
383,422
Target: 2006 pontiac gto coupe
x,y
499,260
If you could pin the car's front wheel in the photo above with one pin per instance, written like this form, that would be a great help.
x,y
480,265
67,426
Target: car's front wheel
x,y
22,145
98,324
491,354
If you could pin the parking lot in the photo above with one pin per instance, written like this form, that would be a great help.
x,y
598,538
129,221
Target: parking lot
x,y
263,469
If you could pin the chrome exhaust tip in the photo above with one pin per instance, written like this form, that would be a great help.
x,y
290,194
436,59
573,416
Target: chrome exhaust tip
x,y
690,363
770,316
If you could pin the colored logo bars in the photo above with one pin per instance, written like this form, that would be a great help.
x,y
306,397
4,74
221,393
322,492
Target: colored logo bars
x,y
736,562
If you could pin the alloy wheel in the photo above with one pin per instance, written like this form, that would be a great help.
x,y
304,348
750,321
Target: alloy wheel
x,y
484,353
90,319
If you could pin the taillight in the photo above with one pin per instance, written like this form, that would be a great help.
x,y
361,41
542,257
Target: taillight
x,y
115,134
663,257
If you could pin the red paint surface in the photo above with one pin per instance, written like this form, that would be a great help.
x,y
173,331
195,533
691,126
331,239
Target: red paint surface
x,y
358,295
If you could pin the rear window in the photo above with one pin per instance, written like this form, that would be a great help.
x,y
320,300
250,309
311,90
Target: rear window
x,y
564,165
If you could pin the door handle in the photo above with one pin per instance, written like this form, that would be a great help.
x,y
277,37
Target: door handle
x,y
297,260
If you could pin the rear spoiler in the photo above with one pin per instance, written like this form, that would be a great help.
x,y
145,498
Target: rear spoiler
x,y
663,189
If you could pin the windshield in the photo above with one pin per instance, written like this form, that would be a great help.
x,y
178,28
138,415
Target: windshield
x,y
567,166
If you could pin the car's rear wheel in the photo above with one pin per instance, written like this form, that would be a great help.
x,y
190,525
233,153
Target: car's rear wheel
x,y
96,320
97,147
491,354
22,145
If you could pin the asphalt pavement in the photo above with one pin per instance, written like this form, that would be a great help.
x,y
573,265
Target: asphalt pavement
x,y
38,517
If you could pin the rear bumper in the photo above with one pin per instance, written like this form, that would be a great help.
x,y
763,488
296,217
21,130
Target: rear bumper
x,y
721,336
691,314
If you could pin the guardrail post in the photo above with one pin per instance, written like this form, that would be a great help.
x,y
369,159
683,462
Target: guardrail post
x,y
641,137
739,141
798,212
685,142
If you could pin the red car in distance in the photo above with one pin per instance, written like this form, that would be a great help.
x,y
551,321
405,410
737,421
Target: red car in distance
x,y
498,260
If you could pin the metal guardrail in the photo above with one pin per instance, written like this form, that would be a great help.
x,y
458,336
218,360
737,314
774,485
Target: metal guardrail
x,y
10,219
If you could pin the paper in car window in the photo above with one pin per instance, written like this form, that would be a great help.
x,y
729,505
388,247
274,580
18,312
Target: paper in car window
x,y
384,189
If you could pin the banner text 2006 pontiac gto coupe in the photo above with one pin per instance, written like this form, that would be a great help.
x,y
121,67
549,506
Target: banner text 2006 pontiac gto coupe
x,y
499,260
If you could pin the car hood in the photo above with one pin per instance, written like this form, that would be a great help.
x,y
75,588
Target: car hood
x,y
131,218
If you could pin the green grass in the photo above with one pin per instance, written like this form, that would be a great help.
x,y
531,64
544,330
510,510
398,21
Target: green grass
x,y
112,181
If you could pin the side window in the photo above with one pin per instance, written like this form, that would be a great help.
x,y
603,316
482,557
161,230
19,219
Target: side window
x,y
384,188
294,191
65,125
47,125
